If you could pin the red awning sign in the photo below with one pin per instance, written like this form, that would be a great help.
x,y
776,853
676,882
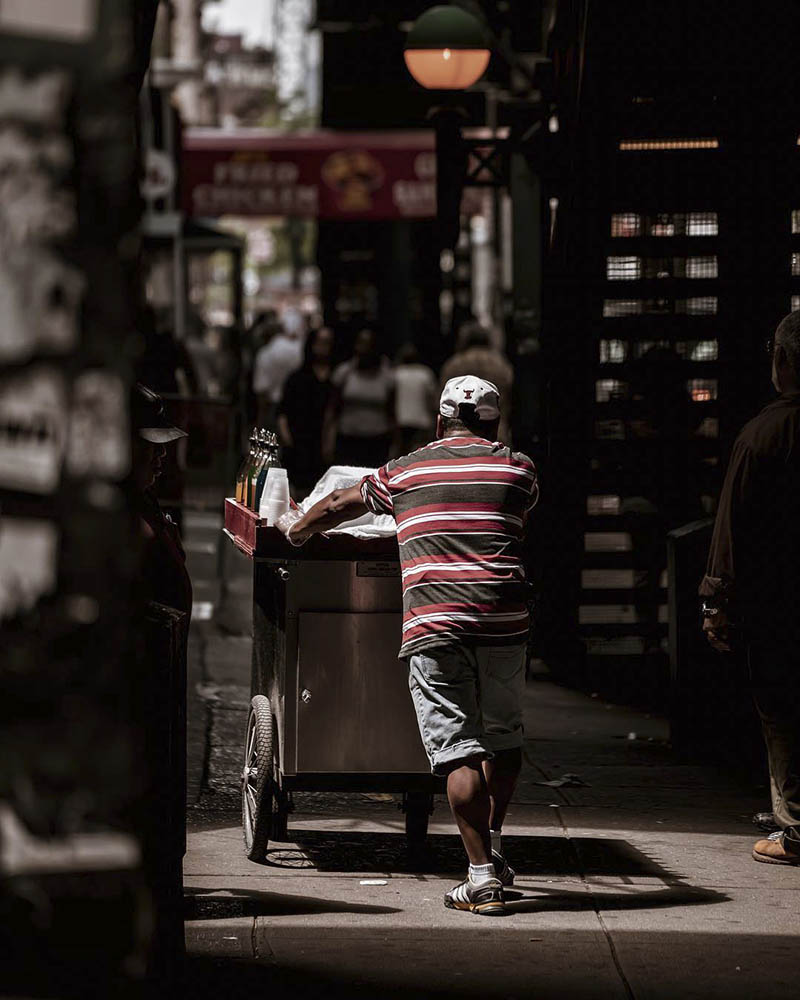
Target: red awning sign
x,y
325,175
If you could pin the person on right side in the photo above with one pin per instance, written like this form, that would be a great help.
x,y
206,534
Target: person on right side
x,y
752,585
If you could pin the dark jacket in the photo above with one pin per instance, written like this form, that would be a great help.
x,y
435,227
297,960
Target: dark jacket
x,y
164,574
753,569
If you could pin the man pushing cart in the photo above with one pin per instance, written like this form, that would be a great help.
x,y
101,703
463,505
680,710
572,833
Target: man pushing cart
x,y
461,505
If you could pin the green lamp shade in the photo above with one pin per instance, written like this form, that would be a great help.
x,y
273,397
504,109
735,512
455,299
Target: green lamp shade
x,y
446,49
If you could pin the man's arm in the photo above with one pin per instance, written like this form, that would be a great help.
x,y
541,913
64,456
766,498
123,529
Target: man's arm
x,y
718,587
330,512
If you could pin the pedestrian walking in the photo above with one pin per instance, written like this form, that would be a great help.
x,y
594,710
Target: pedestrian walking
x,y
461,505
751,590
475,355
301,414
274,363
360,418
416,397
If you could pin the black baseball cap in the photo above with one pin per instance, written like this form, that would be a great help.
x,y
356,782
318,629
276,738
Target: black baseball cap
x,y
149,419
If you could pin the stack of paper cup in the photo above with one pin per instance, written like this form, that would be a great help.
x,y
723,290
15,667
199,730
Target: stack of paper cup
x,y
275,498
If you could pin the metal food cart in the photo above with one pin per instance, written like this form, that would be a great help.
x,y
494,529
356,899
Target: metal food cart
x,y
330,706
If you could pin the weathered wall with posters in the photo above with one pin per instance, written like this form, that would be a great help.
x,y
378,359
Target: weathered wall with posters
x,y
70,888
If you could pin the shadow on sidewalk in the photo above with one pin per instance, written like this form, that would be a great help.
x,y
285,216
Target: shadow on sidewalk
x,y
443,855
557,899
209,904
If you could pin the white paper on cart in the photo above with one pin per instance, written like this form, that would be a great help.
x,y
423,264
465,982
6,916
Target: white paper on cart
x,y
342,477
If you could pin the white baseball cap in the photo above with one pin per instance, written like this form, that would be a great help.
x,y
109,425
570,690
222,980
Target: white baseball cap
x,y
471,391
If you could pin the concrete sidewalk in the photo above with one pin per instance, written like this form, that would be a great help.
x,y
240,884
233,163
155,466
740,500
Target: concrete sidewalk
x,y
638,885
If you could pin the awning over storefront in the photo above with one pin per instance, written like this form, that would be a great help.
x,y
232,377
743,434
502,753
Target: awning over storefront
x,y
320,174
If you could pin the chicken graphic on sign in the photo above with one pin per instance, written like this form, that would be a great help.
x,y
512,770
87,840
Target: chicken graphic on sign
x,y
354,175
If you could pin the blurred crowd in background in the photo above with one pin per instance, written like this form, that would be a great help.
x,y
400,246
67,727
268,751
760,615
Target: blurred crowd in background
x,y
332,399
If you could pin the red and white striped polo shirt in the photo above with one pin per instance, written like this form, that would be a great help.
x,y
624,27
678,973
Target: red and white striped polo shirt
x,y
460,505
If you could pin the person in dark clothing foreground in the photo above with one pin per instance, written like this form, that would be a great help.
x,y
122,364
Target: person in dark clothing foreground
x,y
163,571
751,589
461,504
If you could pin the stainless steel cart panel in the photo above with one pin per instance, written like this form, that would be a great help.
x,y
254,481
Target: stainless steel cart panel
x,y
354,711
345,586
330,710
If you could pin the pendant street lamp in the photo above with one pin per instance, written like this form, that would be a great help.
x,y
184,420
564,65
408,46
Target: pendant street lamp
x,y
447,49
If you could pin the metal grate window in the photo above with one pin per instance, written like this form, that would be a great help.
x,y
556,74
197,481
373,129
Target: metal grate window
x,y
613,352
703,305
795,303
624,224
622,307
796,265
607,541
603,505
623,268
702,224
607,390
709,428
667,224
699,350
702,390
662,225
795,221
701,267
663,267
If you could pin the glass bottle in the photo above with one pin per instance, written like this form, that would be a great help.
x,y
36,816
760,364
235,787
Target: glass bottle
x,y
241,475
255,468
270,461
277,451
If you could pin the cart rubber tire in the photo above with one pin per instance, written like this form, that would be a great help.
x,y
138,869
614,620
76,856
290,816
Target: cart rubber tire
x,y
257,812
419,806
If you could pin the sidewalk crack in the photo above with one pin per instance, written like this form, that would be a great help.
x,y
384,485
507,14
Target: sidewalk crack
x,y
256,942
612,948
613,952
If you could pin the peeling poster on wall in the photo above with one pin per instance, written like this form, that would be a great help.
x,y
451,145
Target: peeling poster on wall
x,y
33,419
40,291
99,442
28,563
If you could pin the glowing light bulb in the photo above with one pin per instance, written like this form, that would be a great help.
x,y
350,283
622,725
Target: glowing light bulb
x,y
447,48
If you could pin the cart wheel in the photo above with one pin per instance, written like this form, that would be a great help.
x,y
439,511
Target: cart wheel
x,y
280,815
281,807
418,807
258,784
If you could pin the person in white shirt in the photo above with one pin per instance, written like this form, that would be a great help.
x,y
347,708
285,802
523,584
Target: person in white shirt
x,y
416,401
274,363
360,418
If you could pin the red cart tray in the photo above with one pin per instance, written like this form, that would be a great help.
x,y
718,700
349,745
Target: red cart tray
x,y
256,539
